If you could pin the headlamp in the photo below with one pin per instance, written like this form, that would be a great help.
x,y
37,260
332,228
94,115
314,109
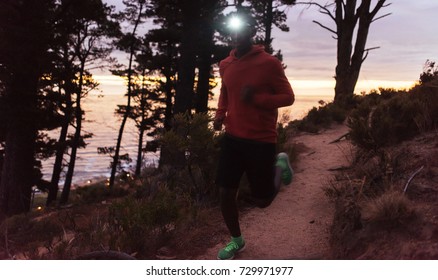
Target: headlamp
x,y
235,23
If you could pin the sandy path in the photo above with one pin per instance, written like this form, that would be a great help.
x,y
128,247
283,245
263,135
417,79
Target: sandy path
x,y
296,225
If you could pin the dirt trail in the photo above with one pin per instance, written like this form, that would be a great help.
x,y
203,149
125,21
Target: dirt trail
x,y
296,225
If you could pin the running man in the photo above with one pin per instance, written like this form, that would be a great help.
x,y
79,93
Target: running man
x,y
254,86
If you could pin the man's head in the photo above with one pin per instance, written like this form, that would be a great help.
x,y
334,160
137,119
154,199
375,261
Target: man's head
x,y
242,28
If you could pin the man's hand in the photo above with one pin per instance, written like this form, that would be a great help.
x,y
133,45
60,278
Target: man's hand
x,y
217,123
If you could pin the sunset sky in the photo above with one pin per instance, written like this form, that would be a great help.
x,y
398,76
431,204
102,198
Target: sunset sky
x,y
407,38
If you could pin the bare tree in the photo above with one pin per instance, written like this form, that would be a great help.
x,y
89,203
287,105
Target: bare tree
x,y
347,14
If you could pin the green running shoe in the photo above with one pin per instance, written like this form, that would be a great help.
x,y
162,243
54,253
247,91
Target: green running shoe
x,y
230,250
286,170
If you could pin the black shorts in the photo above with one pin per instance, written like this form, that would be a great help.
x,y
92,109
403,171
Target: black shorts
x,y
256,159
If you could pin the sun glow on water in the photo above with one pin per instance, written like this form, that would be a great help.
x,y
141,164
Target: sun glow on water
x,y
101,120
109,80
362,85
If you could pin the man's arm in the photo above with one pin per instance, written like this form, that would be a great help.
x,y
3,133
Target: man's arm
x,y
221,108
282,93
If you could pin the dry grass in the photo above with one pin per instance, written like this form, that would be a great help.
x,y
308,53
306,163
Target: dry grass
x,y
391,208
374,218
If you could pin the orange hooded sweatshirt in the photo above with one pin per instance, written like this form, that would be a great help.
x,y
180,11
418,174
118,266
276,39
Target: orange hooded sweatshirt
x,y
264,75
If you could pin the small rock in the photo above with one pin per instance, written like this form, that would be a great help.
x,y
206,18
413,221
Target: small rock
x,y
164,253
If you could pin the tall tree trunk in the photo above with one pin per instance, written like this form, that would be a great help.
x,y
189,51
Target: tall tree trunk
x,y
268,26
203,90
204,75
141,130
18,169
18,175
116,156
24,44
168,114
62,145
139,152
76,138
128,105
187,64
349,61
184,97
346,23
57,167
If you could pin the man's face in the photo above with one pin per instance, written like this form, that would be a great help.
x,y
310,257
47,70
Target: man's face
x,y
241,33
241,37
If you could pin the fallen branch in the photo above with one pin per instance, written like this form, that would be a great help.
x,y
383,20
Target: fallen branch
x,y
105,255
340,138
361,187
412,177
338,168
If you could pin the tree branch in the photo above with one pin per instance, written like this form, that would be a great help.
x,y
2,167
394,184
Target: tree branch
x,y
412,177
378,6
385,15
325,27
367,52
370,49
324,8
344,5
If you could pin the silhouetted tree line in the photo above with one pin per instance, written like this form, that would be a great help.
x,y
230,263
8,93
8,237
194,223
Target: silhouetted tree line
x,y
49,49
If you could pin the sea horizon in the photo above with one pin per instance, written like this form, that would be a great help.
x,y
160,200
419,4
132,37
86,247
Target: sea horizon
x,y
104,124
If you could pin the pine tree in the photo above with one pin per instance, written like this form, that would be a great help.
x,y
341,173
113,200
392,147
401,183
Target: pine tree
x,y
92,25
24,60
134,14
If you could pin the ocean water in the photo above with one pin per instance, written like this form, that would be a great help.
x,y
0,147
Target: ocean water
x,y
101,121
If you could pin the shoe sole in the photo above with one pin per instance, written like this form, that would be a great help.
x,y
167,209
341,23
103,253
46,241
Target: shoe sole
x,y
238,251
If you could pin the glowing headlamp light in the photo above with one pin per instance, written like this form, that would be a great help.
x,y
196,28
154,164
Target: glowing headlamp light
x,y
236,23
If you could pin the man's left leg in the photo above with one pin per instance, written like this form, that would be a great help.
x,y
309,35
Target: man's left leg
x,y
230,170
283,171
230,213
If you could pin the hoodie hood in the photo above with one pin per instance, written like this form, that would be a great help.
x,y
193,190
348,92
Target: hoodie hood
x,y
255,49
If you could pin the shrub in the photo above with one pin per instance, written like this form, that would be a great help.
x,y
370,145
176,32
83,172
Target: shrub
x,y
393,116
98,192
430,72
427,96
141,225
390,209
190,153
283,144
321,117
25,234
